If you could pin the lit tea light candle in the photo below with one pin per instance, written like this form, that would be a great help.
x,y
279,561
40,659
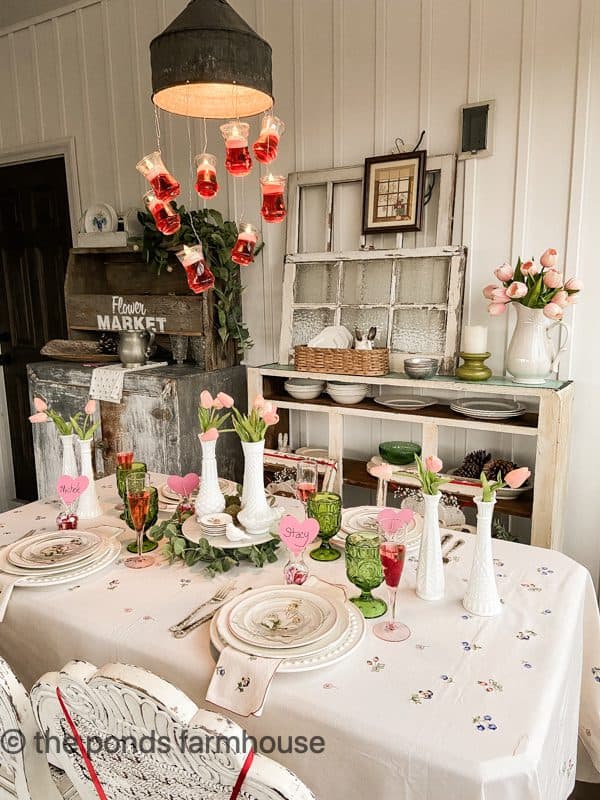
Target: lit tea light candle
x,y
265,147
273,206
243,251
206,175
474,339
237,160
199,276
167,220
164,185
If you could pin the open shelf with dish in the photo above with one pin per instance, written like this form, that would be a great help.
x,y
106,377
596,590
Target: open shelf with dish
x,y
547,420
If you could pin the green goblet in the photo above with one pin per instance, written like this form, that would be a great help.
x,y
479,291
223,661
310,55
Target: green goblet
x,y
151,517
122,473
364,570
326,508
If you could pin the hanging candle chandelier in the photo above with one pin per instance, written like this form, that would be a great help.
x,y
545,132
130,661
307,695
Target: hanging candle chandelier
x,y
210,64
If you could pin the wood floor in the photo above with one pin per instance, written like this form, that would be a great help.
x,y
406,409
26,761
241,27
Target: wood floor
x,y
586,791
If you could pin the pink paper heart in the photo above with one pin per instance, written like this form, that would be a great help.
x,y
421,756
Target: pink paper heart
x,y
297,535
392,519
70,489
183,486
176,484
191,481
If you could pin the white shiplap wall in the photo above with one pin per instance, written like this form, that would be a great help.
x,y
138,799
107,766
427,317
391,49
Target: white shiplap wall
x,y
351,76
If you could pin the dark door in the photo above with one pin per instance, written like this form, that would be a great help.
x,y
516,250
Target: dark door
x,y
35,237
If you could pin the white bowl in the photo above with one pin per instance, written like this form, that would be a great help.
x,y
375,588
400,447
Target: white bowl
x,y
347,396
301,391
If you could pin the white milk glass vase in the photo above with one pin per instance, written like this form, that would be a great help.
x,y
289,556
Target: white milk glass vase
x,y
88,507
210,499
255,516
482,596
69,462
430,570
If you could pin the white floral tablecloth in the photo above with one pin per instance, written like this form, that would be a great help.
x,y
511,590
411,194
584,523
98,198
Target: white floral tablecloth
x,y
467,709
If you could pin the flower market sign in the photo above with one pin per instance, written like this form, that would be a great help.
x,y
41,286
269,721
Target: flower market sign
x,y
130,315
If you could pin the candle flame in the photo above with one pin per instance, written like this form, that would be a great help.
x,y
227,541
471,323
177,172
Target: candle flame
x,y
186,250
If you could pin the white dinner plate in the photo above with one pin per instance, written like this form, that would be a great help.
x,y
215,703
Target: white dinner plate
x,y
488,407
11,569
54,549
75,573
364,518
193,532
406,402
330,654
282,618
100,218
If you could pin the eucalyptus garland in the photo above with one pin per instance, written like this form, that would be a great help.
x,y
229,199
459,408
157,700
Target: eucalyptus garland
x,y
218,238
177,547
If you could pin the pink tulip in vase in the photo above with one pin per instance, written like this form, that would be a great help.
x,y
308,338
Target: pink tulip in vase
x,y
540,296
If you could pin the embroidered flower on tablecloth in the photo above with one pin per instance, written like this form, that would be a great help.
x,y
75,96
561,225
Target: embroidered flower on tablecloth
x,y
546,611
183,582
491,685
587,731
446,679
466,616
545,571
531,587
40,516
501,575
469,647
596,674
329,686
567,767
422,694
498,563
375,664
525,635
243,683
128,610
484,723
72,588
526,665
421,646
113,584
220,671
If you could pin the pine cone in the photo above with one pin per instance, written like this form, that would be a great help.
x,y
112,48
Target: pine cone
x,y
473,464
498,465
109,343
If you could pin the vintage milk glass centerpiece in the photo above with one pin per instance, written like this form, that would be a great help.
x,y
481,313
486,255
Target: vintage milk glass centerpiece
x,y
166,219
213,413
266,146
206,175
238,161
273,203
163,184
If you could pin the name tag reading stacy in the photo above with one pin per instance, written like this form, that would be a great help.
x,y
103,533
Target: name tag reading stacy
x,y
297,535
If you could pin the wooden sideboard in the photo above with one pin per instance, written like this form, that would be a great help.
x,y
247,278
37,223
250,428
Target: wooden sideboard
x,y
549,422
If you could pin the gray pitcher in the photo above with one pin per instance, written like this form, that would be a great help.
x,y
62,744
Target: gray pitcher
x,y
135,347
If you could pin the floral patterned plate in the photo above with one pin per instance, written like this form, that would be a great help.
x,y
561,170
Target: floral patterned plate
x,y
282,618
56,549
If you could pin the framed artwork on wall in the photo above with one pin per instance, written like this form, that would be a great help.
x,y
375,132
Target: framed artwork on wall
x,y
393,192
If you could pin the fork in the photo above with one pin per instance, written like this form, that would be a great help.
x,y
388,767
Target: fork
x,y
221,594
181,632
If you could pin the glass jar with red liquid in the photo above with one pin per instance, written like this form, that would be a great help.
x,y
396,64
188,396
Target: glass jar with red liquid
x,y
237,159
166,218
243,250
265,147
164,185
67,521
199,276
273,203
206,175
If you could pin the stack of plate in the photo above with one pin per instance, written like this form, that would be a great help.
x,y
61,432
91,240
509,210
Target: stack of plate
x,y
215,524
405,402
364,518
488,408
308,627
50,558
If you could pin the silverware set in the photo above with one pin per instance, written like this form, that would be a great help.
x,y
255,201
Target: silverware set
x,y
192,621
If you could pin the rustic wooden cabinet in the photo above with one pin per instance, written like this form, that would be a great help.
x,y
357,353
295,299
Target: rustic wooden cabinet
x,y
159,409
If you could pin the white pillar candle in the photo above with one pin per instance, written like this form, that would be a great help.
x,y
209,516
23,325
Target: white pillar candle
x,y
474,339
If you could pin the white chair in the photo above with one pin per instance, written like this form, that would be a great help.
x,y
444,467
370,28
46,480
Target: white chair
x,y
119,701
24,770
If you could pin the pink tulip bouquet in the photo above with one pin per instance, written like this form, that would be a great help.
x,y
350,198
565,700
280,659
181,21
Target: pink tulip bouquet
x,y
210,417
534,286
513,479
80,424
252,427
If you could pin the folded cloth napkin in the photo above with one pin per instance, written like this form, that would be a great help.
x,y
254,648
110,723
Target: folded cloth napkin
x,y
107,382
241,682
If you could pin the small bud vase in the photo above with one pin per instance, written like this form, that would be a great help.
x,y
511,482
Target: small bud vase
x,y
88,507
430,570
482,597
210,499
69,462
255,516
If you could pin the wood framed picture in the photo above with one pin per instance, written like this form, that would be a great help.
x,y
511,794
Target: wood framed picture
x,y
393,192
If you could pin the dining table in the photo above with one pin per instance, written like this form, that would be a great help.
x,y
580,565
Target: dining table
x,y
467,708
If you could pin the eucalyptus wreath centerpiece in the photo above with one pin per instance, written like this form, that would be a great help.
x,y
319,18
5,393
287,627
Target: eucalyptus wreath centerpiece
x,y
218,236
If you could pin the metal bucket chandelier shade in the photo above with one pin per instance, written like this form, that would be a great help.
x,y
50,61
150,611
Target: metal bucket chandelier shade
x,y
210,63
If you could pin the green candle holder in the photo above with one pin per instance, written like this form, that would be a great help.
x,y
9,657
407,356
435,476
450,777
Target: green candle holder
x,y
474,368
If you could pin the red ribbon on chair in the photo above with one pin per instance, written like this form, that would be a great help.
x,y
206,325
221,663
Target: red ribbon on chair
x,y
94,776
84,754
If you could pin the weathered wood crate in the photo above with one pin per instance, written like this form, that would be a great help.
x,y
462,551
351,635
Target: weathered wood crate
x,y
113,289
159,409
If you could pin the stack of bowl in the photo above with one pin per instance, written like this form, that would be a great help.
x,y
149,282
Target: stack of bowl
x,y
347,393
420,367
304,388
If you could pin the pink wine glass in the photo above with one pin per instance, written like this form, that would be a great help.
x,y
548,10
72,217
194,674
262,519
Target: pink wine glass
x,y
391,555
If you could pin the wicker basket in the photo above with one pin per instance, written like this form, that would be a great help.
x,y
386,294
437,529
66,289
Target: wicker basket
x,y
339,361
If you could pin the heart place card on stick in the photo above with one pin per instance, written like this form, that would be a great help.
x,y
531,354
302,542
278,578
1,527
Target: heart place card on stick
x,y
183,486
296,536
70,489
391,520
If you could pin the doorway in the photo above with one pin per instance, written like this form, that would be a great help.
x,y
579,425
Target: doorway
x,y
35,238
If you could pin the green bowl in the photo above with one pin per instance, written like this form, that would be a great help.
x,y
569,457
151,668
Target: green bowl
x,y
399,453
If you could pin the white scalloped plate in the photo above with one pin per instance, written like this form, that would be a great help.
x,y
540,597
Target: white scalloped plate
x,y
67,576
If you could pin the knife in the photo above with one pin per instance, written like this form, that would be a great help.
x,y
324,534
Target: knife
x,y
181,632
